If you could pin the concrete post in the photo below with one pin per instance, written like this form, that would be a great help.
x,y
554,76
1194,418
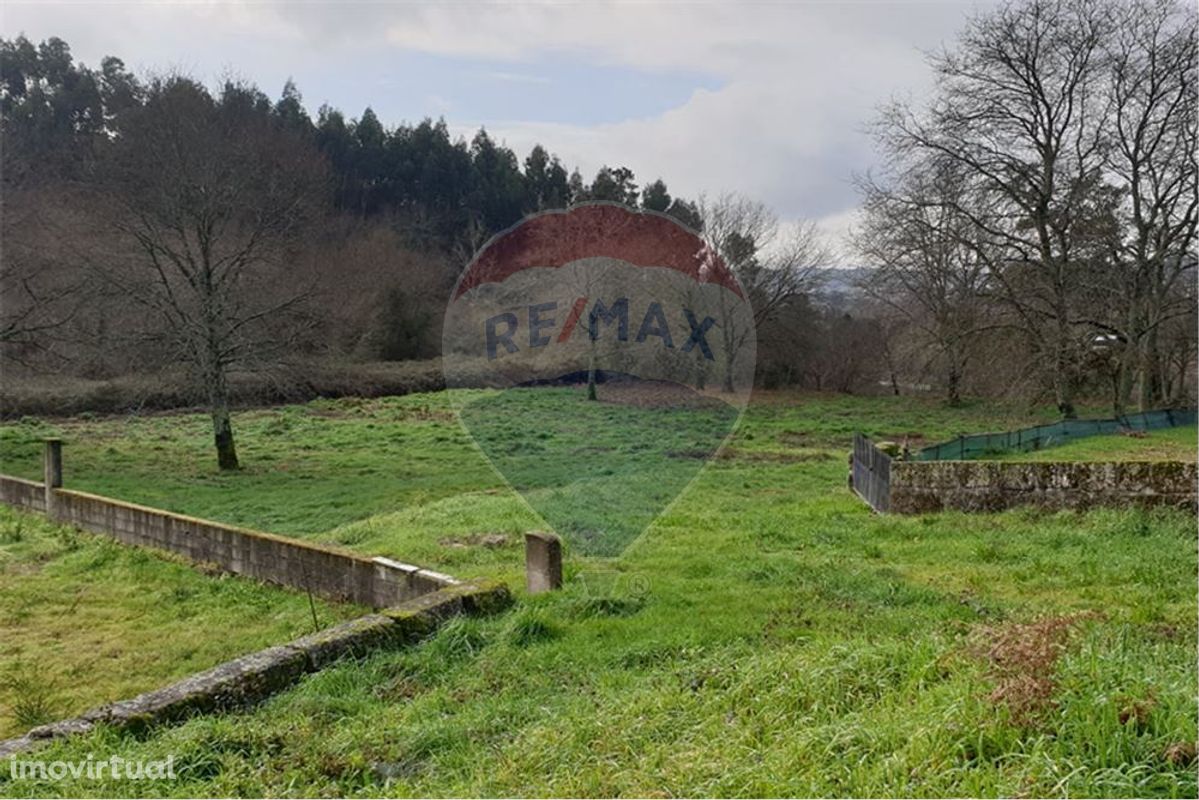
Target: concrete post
x,y
543,562
51,472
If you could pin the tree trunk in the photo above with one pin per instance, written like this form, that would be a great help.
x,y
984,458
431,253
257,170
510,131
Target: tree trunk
x,y
1149,374
222,429
591,374
953,388
222,425
1126,371
1063,382
1065,401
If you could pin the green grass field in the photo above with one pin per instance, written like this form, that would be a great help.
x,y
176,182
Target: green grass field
x,y
85,621
1170,444
768,635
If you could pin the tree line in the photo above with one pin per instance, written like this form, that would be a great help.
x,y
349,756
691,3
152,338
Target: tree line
x,y
1040,207
155,223
1031,230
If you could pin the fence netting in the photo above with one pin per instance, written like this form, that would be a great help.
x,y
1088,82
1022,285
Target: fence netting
x,y
1039,437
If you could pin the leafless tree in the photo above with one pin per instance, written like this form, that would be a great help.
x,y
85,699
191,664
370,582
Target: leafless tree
x,y
208,198
1018,110
1150,72
773,263
929,265
39,292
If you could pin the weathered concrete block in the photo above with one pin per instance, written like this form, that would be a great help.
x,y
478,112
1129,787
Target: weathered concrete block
x,y
356,638
543,562
21,744
62,728
20,493
233,684
483,597
254,677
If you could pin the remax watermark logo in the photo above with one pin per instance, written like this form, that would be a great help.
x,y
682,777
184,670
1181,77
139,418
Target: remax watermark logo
x,y
611,353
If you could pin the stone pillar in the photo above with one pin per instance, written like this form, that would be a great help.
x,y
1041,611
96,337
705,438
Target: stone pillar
x,y
52,472
543,562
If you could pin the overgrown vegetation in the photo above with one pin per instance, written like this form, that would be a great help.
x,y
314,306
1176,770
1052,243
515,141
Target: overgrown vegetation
x,y
85,621
767,636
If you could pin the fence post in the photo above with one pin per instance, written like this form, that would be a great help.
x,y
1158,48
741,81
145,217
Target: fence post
x,y
52,473
543,562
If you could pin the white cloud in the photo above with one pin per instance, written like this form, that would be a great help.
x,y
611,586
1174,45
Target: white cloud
x,y
796,81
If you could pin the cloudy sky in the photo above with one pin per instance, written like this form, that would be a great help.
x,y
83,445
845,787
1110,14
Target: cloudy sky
x,y
763,98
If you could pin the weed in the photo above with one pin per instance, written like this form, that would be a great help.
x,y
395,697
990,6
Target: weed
x,y
1022,659
530,626
12,531
32,695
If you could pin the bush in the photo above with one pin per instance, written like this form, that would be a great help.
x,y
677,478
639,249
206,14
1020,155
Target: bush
x,y
295,383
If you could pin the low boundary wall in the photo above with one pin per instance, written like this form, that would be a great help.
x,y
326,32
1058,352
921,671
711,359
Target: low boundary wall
x,y
327,572
926,486
252,678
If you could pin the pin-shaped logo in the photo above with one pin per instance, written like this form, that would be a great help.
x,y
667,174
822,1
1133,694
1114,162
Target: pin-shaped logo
x,y
610,353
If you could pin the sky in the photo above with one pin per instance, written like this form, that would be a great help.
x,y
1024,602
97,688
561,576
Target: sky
x,y
765,99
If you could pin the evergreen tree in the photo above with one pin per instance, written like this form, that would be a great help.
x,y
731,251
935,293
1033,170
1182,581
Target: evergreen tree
x,y
655,197
290,110
614,185
545,180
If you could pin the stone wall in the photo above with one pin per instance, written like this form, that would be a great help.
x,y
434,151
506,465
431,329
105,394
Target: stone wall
x,y
325,571
927,486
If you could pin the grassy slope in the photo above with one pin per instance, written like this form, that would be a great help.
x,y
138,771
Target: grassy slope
x,y
312,467
767,636
1171,444
85,621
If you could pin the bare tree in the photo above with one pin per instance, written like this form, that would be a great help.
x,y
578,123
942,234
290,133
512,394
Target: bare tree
x,y
1017,109
210,196
39,291
772,262
928,265
1151,63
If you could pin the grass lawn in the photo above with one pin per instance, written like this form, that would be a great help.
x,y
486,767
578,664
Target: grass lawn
x,y
84,621
768,635
1169,444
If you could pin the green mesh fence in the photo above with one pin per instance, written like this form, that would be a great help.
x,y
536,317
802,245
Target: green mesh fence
x,y
980,445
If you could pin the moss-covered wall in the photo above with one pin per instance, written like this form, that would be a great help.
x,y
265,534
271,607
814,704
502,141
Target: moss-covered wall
x,y
923,486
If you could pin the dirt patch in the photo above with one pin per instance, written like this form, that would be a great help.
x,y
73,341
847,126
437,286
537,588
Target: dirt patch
x,y
654,394
774,456
490,541
1136,710
795,439
696,455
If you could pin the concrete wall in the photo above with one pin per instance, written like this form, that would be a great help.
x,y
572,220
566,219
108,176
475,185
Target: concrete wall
x,y
249,679
29,495
325,571
924,486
